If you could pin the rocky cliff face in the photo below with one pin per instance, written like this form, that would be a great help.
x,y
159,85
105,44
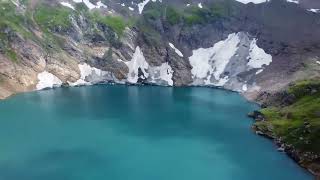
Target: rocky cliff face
x,y
238,45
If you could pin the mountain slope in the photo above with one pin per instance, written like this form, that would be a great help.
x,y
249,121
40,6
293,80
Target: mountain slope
x,y
158,42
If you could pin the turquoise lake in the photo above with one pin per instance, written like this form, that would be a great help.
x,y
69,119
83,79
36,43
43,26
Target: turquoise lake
x,y
136,133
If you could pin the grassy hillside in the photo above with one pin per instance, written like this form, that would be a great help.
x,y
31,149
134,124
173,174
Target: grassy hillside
x,y
297,124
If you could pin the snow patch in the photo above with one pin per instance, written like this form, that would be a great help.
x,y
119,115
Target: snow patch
x,y
212,61
101,5
257,56
245,87
131,9
200,5
161,73
252,1
86,71
66,4
314,10
220,82
144,3
215,66
176,50
138,62
48,80
98,5
15,2
293,1
318,62
259,71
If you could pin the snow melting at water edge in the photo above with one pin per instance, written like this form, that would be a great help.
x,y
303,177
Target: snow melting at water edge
x,y
48,80
87,71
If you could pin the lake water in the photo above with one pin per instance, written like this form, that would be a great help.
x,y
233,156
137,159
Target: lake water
x,y
135,133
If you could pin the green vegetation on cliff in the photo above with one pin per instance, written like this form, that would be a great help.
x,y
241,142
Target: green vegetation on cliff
x,y
116,23
195,15
189,15
12,55
55,21
59,18
12,23
173,16
53,18
158,15
298,124
10,18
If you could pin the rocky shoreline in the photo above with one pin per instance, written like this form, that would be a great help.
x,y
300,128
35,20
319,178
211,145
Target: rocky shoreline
x,y
307,160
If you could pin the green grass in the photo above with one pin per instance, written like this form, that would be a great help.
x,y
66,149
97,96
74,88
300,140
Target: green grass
x,y
53,18
189,15
195,15
52,43
299,123
12,23
153,14
271,113
173,16
302,88
12,55
10,18
116,23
